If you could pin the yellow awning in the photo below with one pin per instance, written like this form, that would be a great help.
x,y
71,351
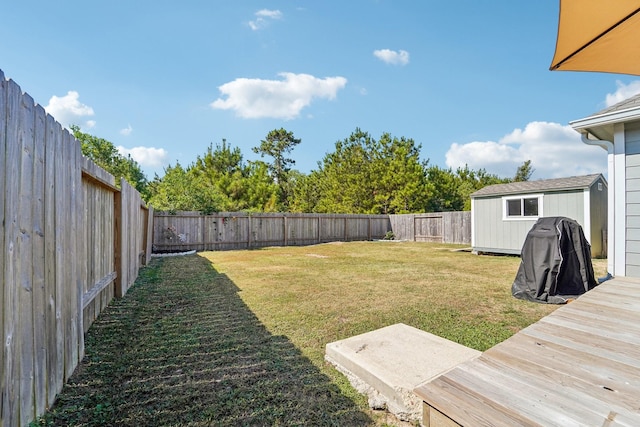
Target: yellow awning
x,y
598,35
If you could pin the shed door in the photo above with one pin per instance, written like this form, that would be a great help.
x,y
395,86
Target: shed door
x,y
428,229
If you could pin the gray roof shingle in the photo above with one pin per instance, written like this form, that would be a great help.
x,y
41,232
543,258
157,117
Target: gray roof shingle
x,y
627,104
527,187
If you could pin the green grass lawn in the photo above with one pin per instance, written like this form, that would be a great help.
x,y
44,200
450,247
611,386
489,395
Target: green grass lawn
x,y
238,337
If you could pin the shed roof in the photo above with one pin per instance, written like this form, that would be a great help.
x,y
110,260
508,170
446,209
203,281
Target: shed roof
x,y
539,186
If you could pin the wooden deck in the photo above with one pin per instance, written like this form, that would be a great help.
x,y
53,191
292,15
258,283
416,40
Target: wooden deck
x,y
579,366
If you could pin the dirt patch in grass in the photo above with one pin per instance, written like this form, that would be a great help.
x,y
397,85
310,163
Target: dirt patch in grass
x,y
238,337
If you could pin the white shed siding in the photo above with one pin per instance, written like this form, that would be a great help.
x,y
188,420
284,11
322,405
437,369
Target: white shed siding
x,y
492,233
632,184
582,198
566,203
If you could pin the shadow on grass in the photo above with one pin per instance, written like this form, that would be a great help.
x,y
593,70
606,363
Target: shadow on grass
x,y
182,348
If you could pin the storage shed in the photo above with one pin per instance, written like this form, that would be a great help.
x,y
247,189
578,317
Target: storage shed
x,y
503,214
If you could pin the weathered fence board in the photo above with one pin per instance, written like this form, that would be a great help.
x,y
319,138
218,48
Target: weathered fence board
x,y
73,301
39,296
147,243
232,230
444,227
11,386
10,350
302,230
236,230
57,252
53,332
428,229
24,249
3,190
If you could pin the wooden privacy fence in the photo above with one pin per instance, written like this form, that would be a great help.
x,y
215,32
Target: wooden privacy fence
x,y
185,231
233,230
441,227
69,240
116,238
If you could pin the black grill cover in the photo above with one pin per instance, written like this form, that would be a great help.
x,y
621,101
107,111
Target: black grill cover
x,y
556,263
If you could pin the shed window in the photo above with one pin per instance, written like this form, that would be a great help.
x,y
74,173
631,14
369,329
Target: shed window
x,y
522,207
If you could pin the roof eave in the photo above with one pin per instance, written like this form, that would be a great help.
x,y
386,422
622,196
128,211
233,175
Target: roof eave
x,y
596,178
591,124
538,191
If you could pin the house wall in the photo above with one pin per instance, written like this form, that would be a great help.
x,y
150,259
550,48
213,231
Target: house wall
x,y
632,185
491,233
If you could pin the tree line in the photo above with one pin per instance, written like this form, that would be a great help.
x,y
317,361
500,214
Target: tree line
x,y
361,175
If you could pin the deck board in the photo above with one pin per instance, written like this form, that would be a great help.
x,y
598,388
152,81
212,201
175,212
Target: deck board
x,y
531,394
578,366
453,396
597,330
602,313
550,358
580,341
584,389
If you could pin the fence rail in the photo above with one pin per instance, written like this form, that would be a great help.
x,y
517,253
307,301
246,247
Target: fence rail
x,y
237,230
68,235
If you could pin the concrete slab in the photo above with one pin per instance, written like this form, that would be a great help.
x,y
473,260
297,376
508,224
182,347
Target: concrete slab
x,y
388,363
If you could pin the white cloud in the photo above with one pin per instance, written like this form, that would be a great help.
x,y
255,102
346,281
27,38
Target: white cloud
x,y
281,99
623,92
393,57
68,110
146,156
263,17
266,13
126,131
555,151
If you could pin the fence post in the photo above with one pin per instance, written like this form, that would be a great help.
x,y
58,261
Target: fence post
x,y
345,228
149,236
117,241
284,226
204,239
248,231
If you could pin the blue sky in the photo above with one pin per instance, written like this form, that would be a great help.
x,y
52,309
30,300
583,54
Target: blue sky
x,y
467,80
